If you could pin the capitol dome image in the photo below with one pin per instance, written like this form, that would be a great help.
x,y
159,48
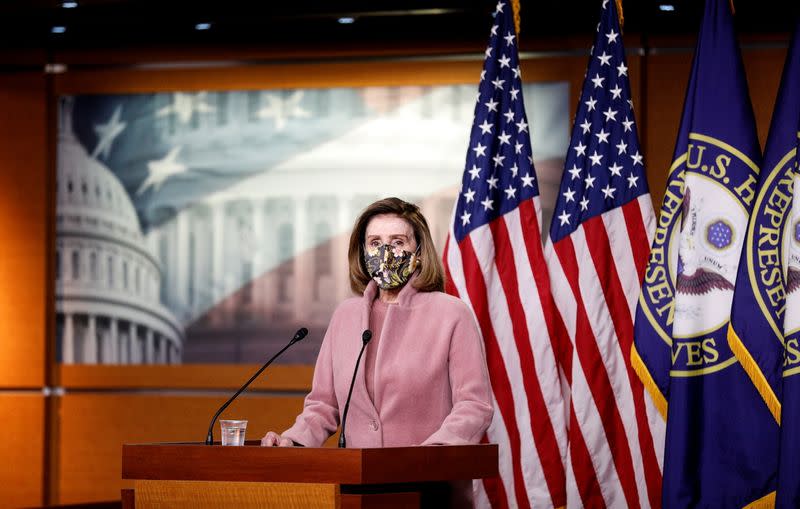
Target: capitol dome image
x,y
108,309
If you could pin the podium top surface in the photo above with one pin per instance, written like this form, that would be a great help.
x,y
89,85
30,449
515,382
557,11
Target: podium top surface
x,y
200,462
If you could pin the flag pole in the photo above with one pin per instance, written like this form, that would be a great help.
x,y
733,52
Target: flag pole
x,y
515,8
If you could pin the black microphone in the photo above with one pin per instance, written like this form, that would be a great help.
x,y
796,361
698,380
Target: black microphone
x,y
365,337
300,334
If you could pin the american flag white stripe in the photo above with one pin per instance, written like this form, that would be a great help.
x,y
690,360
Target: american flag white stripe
x,y
500,317
544,362
495,261
600,243
593,433
613,358
623,255
497,432
630,267
588,361
540,340
599,264
648,216
498,372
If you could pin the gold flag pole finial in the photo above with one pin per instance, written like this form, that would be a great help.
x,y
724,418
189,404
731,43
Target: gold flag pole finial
x,y
620,15
515,8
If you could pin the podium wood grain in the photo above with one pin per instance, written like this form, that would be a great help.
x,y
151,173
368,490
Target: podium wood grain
x,y
242,495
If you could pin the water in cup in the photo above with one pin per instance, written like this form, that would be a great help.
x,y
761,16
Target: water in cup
x,y
233,431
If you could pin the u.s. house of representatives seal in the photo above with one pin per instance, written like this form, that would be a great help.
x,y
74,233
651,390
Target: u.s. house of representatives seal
x,y
696,252
791,322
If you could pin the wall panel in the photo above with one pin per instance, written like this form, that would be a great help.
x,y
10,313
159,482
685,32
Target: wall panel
x,y
24,230
93,427
667,77
763,67
22,449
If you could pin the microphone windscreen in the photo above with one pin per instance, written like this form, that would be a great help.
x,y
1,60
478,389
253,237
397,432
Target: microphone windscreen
x,y
366,336
300,334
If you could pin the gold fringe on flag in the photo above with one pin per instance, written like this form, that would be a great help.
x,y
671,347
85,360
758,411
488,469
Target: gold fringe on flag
x,y
515,8
754,372
649,384
733,9
765,502
620,15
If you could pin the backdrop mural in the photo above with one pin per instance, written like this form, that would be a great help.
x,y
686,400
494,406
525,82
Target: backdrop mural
x,y
209,226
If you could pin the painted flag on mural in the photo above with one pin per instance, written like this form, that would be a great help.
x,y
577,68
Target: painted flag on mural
x,y
711,458
495,263
780,159
600,236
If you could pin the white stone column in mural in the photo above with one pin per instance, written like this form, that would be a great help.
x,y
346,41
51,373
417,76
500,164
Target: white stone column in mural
x,y
105,347
181,258
124,347
133,345
68,340
90,342
162,349
149,355
218,248
259,255
345,224
113,342
301,297
64,261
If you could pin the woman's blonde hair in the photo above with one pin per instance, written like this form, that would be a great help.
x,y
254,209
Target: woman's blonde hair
x,y
431,272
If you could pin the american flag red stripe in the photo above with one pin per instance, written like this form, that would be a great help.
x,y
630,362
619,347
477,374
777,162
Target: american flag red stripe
x,y
603,277
640,240
623,309
590,361
505,248
499,274
495,261
596,253
556,329
581,476
502,388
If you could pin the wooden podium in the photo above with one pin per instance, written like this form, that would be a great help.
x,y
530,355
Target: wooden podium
x,y
194,475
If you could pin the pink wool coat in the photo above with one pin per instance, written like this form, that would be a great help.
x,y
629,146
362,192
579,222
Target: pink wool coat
x,y
431,380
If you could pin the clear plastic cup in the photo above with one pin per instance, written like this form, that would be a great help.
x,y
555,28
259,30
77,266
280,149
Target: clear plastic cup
x,y
233,431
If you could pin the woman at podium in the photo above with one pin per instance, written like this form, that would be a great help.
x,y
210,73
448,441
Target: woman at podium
x,y
423,379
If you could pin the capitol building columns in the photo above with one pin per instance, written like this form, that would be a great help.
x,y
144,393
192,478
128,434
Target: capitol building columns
x,y
134,345
218,243
259,256
111,338
302,277
68,341
90,342
149,347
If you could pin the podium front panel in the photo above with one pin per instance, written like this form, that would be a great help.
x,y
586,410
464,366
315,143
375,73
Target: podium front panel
x,y
242,495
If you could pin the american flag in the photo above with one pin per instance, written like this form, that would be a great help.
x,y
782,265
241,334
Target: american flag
x,y
599,243
495,263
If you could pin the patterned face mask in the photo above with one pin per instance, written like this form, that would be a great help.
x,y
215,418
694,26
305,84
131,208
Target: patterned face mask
x,y
390,267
